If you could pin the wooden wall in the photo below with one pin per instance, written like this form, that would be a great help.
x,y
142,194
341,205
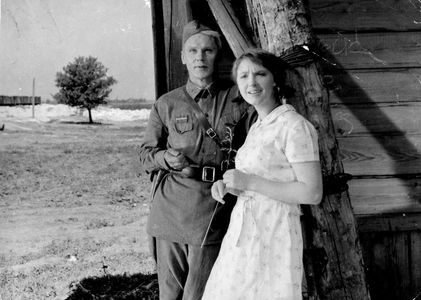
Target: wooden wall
x,y
374,77
375,91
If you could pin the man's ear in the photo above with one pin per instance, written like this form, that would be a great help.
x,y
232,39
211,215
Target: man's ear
x,y
182,57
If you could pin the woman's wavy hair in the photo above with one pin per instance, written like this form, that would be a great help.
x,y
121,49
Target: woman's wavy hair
x,y
270,61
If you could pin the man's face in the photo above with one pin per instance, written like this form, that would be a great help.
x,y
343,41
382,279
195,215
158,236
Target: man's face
x,y
199,55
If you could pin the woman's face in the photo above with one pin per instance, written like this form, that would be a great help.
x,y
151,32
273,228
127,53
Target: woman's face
x,y
256,84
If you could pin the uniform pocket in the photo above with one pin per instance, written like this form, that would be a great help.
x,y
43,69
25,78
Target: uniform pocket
x,y
183,123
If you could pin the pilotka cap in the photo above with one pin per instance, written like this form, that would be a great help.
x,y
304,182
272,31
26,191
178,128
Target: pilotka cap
x,y
195,27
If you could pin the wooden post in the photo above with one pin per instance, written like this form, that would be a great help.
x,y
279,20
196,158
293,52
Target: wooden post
x,y
230,26
33,98
333,259
161,84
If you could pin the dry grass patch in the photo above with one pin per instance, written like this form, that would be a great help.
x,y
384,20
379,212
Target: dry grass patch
x,y
72,200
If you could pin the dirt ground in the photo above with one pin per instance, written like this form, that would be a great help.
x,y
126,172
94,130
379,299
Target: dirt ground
x,y
73,205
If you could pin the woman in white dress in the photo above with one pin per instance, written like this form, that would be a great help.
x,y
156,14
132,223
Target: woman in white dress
x,y
277,169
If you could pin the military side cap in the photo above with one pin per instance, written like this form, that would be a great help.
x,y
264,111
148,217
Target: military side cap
x,y
195,27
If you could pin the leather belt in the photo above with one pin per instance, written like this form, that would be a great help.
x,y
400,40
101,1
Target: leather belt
x,y
206,173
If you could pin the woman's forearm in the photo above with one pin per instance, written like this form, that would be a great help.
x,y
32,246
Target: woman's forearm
x,y
305,189
293,192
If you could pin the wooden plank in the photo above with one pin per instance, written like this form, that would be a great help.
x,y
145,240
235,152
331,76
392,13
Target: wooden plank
x,y
386,15
390,223
381,223
354,120
389,195
415,263
161,84
374,255
377,85
373,50
176,15
387,262
381,155
400,263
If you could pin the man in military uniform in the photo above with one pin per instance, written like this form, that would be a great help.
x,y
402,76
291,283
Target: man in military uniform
x,y
189,142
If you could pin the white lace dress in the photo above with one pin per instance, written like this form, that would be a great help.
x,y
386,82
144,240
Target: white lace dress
x,y
261,254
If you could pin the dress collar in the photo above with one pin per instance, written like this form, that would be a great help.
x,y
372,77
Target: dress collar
x,y
281,109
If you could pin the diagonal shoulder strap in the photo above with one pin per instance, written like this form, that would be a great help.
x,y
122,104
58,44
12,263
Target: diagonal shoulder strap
x,y
210,132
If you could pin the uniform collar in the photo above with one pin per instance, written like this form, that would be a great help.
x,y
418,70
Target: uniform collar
x,y
194,90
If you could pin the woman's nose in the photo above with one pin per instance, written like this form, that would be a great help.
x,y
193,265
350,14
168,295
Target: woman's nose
x,y
251,80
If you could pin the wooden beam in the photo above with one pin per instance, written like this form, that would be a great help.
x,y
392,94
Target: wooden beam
x,y
176,14
389,264
394,85
385,196
390,223
381,155
229,25
352,16
373,50
383,118
161,84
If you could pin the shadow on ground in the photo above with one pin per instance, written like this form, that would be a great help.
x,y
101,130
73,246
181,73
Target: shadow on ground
x,y
84,123
116,287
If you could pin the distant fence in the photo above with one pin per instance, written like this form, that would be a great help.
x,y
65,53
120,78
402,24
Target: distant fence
x,y
18,100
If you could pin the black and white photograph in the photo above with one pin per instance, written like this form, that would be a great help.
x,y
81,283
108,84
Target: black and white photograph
x,y
210,149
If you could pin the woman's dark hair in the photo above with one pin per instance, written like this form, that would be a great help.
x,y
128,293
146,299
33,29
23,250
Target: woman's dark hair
x,y
268,60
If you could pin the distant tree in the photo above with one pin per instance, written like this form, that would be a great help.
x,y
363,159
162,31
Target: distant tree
x,y
84,83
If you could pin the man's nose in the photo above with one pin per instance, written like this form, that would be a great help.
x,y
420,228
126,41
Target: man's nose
x,y
200,55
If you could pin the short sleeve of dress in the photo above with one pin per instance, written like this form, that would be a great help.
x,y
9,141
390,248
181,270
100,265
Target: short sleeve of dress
x,y
302,142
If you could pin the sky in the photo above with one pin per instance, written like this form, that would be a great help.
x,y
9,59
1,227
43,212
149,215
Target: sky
x,y
39,37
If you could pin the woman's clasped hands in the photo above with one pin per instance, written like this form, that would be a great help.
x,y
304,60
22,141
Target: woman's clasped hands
x,y
233,182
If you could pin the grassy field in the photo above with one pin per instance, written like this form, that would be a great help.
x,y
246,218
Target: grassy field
x,y
73,207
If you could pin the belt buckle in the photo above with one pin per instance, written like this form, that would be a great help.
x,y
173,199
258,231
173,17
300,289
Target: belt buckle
x,y
208,174
211,133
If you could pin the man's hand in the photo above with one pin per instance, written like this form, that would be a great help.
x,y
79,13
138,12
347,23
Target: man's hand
x,y
175,160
